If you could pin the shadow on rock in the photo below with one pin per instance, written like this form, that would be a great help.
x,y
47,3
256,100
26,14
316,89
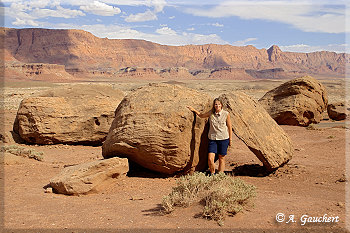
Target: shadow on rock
x,y
17,138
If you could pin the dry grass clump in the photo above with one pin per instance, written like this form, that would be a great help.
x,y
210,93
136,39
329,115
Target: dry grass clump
x,y
220,194
311,127
23,152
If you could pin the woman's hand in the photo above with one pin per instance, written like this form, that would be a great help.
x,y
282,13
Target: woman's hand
x,y
201,115
191,108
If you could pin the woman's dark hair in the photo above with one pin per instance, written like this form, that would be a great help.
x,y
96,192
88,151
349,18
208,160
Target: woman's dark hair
x,y
213,108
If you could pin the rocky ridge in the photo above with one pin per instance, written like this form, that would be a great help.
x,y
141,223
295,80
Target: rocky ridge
x,y
83,53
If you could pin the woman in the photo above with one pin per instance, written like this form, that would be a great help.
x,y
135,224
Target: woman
x,y
220,133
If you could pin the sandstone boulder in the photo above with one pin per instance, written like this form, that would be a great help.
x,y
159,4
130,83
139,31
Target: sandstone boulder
x,y
255,127
89,177
11,159
300,101
80,114
154,128
337,111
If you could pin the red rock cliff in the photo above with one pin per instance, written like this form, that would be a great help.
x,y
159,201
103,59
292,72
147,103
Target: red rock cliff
x,y
77,49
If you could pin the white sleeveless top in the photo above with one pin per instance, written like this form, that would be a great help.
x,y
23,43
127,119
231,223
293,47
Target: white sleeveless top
x,y
218,129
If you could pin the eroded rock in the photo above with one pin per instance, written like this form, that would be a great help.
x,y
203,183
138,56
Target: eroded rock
x,y
300,101
255,127
337,111
89,177
80,114
154,128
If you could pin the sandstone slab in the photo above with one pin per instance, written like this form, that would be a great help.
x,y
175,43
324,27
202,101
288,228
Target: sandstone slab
x,y
89,177
80,114
11,159
154,128
255,127
300,101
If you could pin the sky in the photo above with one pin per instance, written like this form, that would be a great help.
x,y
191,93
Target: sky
x,y
293,25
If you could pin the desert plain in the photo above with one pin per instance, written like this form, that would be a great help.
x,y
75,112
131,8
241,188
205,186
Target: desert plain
x,y
312,184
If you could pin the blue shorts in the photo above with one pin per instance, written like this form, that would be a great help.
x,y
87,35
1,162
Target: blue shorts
x,y
218,146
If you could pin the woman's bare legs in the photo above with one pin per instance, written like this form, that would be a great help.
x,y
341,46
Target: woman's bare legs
x,y
221,163
211,164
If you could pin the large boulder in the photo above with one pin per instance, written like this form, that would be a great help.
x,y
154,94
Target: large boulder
x,y
89,177
337,111
300,101
153,128
255,127
80,114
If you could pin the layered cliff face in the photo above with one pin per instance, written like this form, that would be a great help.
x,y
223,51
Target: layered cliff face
x,y
81,51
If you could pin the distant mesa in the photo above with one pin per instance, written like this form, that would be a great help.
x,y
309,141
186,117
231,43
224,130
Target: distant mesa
x,y
85,55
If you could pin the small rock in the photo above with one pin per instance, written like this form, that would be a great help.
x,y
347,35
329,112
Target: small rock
x,y
337,111
48,190
341,179
340,204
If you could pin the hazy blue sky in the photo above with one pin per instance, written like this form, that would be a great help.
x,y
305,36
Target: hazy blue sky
x,y
299,25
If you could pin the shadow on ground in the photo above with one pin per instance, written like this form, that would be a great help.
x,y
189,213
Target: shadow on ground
x,y
253,170
157,211
136,170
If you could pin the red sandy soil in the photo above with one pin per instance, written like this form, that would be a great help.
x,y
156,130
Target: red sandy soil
x,y
313,183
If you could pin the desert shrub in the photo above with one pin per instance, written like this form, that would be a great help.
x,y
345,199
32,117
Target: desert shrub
x,y
185,192
311,127
220,194
23,152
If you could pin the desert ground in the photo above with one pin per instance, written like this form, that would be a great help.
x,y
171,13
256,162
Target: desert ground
x,y
313,183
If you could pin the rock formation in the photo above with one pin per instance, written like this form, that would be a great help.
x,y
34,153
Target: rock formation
x,y
81,114
153,128
274,53
37,71
230,73
254,126
80,51
337,111
89,177
175,73
138,73
300,101
276,73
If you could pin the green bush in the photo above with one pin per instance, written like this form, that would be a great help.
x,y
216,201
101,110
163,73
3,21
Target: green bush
x,y
220,194
24,152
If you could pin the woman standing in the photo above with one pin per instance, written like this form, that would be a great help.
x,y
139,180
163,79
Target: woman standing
x,y
220,133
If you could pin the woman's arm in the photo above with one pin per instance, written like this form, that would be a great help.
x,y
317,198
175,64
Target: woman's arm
x,y
229,126
201,115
